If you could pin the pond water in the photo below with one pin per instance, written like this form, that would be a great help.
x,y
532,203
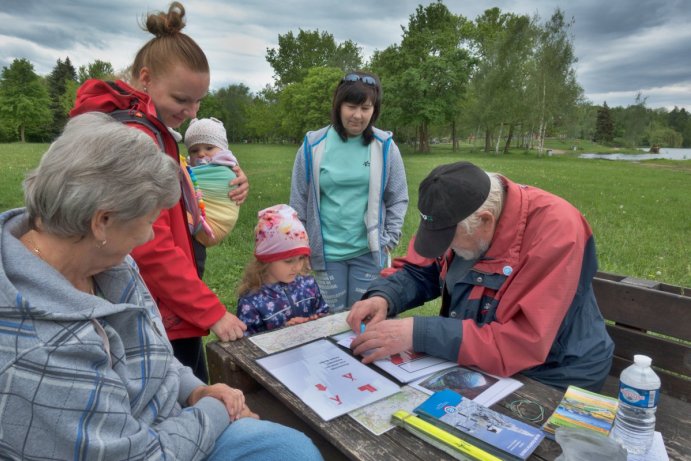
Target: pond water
x,y
669,153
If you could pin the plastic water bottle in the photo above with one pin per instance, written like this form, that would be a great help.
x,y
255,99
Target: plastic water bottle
x,y
639,391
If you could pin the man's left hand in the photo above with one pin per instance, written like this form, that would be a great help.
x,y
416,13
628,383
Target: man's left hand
x,y
383,339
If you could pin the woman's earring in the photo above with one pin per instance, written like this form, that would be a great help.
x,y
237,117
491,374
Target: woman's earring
x,y
146,90
103,243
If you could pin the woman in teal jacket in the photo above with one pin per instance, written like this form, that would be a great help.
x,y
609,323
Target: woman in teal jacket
x,y
349,188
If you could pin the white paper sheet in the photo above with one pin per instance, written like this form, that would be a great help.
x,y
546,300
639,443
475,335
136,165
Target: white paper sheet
x,y
327,379
657,451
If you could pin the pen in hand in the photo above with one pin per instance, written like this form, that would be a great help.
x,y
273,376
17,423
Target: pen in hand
x,y
362,327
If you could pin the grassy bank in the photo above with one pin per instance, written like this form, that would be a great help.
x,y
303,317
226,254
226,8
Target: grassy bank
x,y
639,211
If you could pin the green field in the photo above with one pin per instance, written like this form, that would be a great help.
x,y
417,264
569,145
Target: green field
x,y
639,211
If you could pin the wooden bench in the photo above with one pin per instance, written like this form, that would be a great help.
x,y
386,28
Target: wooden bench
x,y
649,318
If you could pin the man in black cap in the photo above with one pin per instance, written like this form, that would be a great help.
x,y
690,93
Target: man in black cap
x,y
514,267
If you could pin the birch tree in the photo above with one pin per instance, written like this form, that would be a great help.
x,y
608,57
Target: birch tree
x,y
555,88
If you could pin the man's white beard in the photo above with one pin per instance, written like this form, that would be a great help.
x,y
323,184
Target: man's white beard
x,y
470,255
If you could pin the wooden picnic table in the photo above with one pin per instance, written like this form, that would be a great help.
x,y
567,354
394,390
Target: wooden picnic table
x,y
344,438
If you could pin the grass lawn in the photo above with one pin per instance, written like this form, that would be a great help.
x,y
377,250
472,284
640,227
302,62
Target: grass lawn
x,y
639,211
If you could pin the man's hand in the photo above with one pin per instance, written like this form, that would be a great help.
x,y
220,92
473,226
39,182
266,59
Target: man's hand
x,y
233,399
239,194
370,311
383,339
229,328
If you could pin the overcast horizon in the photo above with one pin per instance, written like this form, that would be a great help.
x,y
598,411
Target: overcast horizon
x,y
623,47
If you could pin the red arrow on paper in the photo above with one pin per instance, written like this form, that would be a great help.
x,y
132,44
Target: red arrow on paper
x,y
320,387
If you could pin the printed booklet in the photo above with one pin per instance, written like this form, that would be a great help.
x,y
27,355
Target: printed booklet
x,y
494,432
584,409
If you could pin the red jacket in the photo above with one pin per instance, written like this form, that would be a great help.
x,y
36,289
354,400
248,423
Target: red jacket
x,y
526,306
167,264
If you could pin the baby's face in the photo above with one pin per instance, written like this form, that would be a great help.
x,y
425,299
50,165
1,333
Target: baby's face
x,y
202,153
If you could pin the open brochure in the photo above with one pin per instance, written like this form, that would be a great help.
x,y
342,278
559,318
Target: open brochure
x,y
431,374
327,379
404,367
481,387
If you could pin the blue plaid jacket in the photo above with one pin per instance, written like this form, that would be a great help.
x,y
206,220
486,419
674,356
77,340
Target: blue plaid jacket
x,y
90,377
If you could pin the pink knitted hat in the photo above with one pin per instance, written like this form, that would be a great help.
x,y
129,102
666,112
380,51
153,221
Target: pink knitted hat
x,y
279,235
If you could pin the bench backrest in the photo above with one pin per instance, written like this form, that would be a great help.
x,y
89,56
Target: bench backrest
x,y
649,318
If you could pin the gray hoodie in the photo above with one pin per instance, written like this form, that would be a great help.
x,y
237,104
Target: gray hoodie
x,y
90,377
387,201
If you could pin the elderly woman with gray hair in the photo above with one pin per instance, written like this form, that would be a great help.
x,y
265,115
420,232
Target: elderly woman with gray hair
x,y
86,370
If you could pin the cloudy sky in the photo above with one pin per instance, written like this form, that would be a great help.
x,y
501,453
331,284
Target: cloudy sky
x,y
623,46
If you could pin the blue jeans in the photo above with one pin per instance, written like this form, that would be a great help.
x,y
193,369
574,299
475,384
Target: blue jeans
x,y
253,439
344,282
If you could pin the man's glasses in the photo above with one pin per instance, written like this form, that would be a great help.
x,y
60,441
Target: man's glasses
x,y
366,79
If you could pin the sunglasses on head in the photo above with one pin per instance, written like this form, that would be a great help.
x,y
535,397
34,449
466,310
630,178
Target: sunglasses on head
x,y
366,79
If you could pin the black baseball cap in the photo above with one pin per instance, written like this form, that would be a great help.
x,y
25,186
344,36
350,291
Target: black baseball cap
x,y
448,195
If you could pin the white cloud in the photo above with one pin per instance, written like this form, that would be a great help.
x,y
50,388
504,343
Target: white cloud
x,y
622,47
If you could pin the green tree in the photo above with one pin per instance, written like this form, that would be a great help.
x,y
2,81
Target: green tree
x,y
235,101
604,126
504,46
663,136
58,84
426,76
583,126
680,121
263,119
633,122
24,101
295,55
555,87
101,70
306,105
98,69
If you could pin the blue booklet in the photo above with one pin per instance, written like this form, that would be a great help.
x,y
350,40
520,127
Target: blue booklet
x,y
496,433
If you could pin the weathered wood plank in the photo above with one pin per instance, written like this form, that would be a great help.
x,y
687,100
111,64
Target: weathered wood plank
x,y
667,354
222,369
639,307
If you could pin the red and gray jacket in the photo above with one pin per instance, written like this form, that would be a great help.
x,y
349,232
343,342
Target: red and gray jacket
x,y
188,307
526,306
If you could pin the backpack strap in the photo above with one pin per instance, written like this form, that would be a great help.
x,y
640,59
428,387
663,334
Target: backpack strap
x,y
131,116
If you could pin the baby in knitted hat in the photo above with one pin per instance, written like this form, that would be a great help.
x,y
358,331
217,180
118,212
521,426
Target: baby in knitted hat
x,y
276,288
211,164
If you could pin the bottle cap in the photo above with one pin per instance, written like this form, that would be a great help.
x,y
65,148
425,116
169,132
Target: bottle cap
x,y
642,360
